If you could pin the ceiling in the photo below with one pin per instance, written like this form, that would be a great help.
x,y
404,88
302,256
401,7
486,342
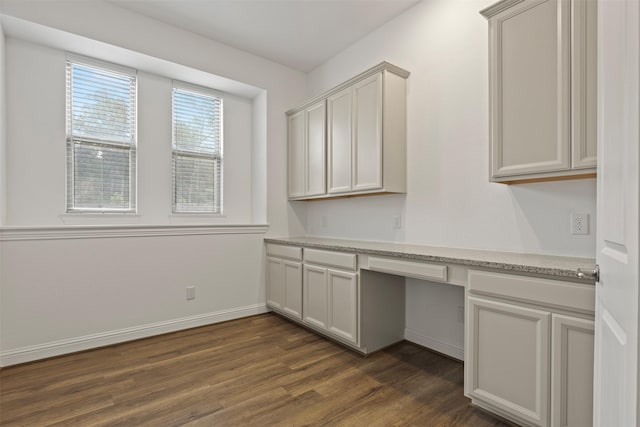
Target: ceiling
x,y
300,34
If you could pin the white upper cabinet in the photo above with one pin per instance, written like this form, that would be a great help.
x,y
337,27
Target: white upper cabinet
x,y
542,88
365,138
339,131
307,150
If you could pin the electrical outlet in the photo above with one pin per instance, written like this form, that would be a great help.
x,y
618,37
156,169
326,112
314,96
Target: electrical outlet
x,y
580,223
191,292
397,222
460,314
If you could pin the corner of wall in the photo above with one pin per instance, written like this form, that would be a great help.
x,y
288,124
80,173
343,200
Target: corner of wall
x,y
3,133
259,159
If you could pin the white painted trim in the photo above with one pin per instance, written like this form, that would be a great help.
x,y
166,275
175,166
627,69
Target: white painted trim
x,y
439,346
109,231
71,345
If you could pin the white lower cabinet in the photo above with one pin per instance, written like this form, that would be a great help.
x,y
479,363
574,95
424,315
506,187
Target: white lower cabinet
x,y
331,301
527,358
284,280
571,371
315,296
342,313
509,356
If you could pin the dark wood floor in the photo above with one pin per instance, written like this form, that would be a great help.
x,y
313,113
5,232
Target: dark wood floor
x,y
258,371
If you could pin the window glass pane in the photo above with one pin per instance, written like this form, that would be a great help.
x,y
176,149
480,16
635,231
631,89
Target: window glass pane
x,y
101,139
101,177
101,104
197,156
194,184
196,122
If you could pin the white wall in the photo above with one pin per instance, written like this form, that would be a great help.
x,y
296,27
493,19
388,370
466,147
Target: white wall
x,y
449,202
63,293
3,133
36,165
284,86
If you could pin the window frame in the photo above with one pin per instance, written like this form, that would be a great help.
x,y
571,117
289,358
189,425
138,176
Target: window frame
x,y
71,140
218,156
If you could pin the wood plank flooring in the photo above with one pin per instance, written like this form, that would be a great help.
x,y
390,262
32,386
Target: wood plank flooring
x,y
257,371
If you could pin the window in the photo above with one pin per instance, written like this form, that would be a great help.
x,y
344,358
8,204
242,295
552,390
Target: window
x,y
101,137
197,150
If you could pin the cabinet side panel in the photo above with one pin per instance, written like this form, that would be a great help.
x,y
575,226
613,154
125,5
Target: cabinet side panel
x,y
394,133
382,310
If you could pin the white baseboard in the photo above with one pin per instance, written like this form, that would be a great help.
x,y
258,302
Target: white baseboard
x,y
439,346
71,345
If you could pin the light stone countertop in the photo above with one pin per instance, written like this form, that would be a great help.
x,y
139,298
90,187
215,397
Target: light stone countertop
x,y
547,265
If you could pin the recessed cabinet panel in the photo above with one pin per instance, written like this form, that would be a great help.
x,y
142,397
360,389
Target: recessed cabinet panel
x,y
542,66
508,350
583,83
292,289
315,124
297,155
571,372
533,88
274,283
367,162
315,296
339,141
343,305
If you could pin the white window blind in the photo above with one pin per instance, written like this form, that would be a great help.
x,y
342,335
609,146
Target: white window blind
x,y
101,138
197,150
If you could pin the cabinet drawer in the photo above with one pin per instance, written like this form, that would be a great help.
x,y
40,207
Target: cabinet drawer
x,y
568,295
282,251
419,270
331,259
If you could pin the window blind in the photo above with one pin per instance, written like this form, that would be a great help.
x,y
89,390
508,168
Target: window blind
x,y
101,138
197,151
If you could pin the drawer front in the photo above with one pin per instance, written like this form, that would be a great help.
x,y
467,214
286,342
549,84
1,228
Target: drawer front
x,y
331,259
418,270
283,251
568,295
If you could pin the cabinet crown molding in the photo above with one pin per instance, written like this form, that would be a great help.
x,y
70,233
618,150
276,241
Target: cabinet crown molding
x,y
498,7
383,66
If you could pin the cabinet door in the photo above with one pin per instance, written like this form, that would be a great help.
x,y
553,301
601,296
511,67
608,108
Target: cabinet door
x,y
339,134
315,296
583,84
571,371
343,305
506,359
297,154
292,288
530,88
274,282
315,120
367,135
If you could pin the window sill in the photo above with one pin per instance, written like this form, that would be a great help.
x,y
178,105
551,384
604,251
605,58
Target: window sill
x,y
113,231
92,218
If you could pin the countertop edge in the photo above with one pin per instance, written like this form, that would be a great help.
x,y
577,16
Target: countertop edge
x,y
494,265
